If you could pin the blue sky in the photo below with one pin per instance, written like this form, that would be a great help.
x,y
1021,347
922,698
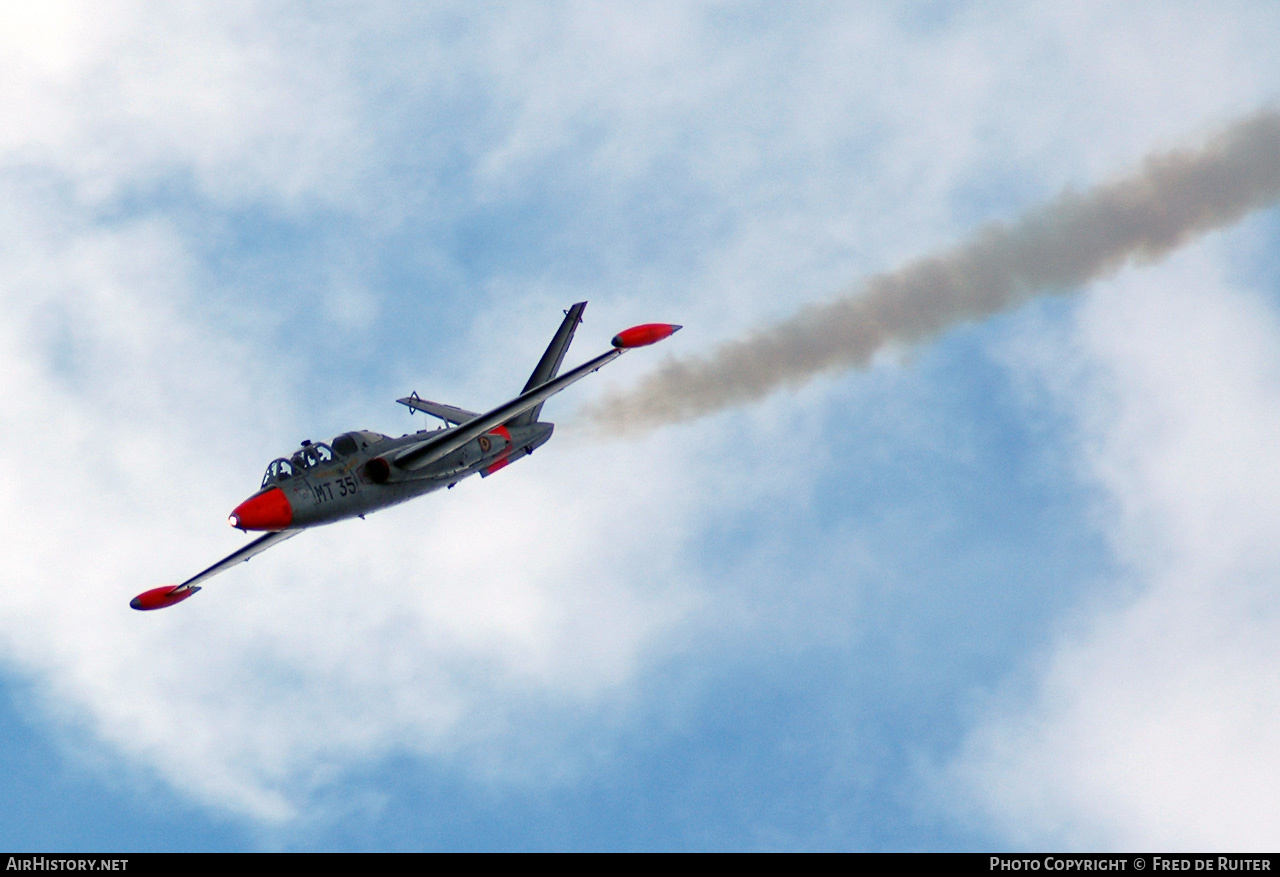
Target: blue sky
x,y
1010,590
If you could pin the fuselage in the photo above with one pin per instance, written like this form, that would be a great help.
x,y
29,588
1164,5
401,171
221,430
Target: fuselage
x,y
357,474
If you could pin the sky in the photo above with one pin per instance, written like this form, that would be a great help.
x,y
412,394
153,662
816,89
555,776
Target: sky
x,y
1013,587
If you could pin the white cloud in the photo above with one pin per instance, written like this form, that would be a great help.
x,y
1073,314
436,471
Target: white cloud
x,y
809,155
1153,721
416,631
410,631
105,97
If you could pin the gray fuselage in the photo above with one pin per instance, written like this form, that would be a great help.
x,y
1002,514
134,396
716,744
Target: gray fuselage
x,y
362,480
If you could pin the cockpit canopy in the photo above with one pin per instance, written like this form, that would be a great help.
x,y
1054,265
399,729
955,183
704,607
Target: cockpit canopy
x,y
350,442
312,455
279,470
319,454
345,444
308,457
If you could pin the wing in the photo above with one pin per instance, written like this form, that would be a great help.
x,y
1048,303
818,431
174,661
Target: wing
x,y
442,444
447,413
438,446
253,549
158,598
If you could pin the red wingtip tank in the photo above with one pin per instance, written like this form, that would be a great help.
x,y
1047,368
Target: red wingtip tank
x,y
159,598
644,335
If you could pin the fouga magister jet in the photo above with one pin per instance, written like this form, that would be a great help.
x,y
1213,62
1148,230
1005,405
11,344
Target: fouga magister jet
x,y
360,472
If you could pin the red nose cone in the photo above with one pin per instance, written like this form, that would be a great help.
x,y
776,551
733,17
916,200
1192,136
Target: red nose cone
x,y
158,598
642,336
269,510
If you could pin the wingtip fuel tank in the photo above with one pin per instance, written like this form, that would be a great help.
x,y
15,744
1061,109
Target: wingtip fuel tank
x,y
159,598
644,335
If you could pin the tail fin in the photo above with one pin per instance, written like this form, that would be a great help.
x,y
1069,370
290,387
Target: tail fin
x,y
549,365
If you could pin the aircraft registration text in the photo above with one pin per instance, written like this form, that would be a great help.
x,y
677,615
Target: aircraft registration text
x,y
327,490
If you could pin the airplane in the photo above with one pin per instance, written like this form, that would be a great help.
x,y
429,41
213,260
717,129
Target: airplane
x,y
362,471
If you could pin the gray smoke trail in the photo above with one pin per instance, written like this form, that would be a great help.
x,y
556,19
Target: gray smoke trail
x,y
1054,249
